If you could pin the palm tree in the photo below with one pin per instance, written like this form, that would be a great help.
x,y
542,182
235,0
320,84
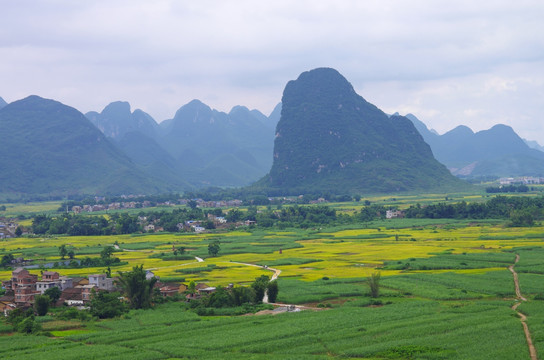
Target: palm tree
x,y
136,287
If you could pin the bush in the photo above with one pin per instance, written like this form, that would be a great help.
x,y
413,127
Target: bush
x,y
106,305
72,313
41,304
374,284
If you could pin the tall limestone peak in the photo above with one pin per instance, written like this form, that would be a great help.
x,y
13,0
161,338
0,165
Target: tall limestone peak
x,y
330,139
116,120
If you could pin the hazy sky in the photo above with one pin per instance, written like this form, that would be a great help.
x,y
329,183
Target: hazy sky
x,y
476,63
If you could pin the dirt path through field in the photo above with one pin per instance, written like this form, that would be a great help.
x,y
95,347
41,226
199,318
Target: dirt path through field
x,y
277,273
523,318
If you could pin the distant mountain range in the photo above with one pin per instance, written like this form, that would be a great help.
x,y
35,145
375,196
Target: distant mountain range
x,y
496,152
51,148
330,140
534,145
204,146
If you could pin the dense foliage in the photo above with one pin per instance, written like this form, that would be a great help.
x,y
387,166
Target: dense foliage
x,y
105,305
507,189
243,299
521,210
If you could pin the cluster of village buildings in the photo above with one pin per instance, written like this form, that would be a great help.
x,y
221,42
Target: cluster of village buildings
x,y
525,180
192,225
23,287
7,229
145,204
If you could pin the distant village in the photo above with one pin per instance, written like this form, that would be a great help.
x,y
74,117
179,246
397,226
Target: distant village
x,y
145,204
524,180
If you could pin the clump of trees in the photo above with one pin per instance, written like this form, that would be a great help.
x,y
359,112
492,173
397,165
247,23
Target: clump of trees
x,y
6,260
507,189
24,321
106,305
522,211
136,287
214,248
238,296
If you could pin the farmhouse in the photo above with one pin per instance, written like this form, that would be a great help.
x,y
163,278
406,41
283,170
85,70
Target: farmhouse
x,y
52,279
101,281
390,214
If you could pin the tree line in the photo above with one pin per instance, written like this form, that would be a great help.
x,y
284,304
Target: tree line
x,y
521,211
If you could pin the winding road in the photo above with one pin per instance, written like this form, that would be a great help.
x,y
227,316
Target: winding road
x,y
276,274
523,318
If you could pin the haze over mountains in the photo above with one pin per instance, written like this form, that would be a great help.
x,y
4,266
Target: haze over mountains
x,y
497,152
49,147
329,139
204,146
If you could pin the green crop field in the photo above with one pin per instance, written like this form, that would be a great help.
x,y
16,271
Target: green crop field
x,y
445,292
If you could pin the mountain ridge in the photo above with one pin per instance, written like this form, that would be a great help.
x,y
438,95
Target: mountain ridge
x,y
498,151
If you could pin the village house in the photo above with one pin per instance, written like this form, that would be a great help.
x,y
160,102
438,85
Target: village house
x,y
7,230
21,278
71,297
150,275
167,290
101,281
76,281
217,220
390,214
86,292
198,229
7,304
207,290
52,279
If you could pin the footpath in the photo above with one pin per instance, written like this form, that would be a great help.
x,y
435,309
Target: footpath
x,y
523,318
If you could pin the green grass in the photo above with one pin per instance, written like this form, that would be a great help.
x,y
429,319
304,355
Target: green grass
x,y
289,261
452,286
295,291
534,310
453,261
200,269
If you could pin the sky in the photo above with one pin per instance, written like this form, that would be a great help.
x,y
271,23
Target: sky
x,y
450,63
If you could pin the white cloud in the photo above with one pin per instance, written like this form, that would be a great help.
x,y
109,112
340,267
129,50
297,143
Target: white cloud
x,y
439,60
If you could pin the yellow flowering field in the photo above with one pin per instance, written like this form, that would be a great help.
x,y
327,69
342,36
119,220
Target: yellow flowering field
x,y
310,256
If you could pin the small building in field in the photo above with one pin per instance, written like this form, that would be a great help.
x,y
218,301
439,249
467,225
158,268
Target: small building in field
x,y
390,214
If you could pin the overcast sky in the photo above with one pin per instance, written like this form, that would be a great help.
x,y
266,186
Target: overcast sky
x,y
476,63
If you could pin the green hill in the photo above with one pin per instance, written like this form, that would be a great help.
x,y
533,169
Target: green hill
x,y
329,139
116,120
50,148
